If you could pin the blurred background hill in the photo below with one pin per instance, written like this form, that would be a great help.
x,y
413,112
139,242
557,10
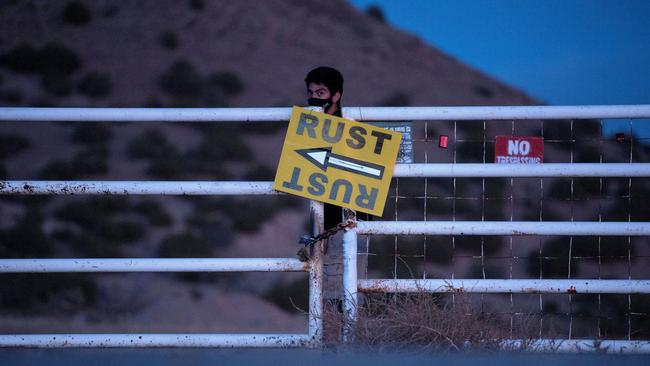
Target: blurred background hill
x,y
200,53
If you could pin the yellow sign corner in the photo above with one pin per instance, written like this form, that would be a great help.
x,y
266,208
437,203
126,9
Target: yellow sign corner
x,y
337,160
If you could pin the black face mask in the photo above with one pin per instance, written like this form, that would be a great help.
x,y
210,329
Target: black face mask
x,y
315,102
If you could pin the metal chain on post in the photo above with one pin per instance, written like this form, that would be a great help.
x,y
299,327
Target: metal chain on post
x,y
309,241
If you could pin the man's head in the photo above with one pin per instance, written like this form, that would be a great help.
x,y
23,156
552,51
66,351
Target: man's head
x,y
325,88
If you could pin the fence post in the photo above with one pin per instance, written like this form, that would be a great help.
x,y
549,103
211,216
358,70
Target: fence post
x,y
317,216
350,279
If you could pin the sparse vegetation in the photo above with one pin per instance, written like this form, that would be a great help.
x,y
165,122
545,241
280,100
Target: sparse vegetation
x,y
222,143
293,297
154,212
188,88
151,145
185,245
54,64
11,97
57,59
57,170
483,91
197,5
101,226
260,172
182,82
95,85
92,134
212,225
422,322
227,81
57,84
91,161
376,13
12,144
47,293
77,13
27,240
397,99
168,40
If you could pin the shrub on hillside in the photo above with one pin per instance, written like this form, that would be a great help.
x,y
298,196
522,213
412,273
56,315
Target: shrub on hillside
x,y
260,172
155,213
169,169
76,13
422,322
92,134
91,161
57,84
25,292
26,239
185,245
227,81
397,99
95,85
56,58
100,225
88,244
168,40
197,5
22,59
212,225
293,297
11,97
483,91
30,293
58,170
151,145
12,144
182,82
376,13
187,87
221,143
54,63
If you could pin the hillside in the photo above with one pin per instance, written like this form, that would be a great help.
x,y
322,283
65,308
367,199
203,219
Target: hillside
x,y
199,53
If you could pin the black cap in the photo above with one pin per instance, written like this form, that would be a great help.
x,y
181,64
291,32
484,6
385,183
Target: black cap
x,y
328,76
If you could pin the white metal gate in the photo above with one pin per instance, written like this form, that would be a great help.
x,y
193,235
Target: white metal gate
x,y
351,282
312,339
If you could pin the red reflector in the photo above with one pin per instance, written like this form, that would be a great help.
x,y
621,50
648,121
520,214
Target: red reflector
x,y
443,141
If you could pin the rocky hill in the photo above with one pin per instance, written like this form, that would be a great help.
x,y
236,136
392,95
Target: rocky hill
x,y
198,53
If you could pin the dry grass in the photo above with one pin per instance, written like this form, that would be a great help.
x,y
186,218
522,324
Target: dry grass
x,y
421,323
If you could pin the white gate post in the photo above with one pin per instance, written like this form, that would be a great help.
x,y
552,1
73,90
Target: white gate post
x,y
316,276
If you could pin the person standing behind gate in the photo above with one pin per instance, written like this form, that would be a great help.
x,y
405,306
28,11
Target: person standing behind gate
x,y
325,89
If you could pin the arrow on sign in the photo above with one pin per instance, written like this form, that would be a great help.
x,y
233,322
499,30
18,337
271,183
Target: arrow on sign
x,y
323,158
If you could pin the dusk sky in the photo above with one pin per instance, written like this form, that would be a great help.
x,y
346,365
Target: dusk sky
x,y
562,52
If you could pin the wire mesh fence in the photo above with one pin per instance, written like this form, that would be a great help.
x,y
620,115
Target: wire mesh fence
x,y
527,199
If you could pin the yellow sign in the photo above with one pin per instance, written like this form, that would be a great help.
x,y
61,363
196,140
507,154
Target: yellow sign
x,y
338,161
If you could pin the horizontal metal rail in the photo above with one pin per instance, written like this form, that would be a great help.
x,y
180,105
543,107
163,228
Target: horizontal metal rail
x,y
555,170
153,265
146,114
136,188
527,286
358,113
514,228
579,345
495,112
155,340
266,188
